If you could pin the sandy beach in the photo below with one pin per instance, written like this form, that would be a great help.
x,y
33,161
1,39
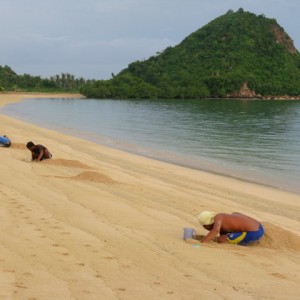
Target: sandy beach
x,y
99,223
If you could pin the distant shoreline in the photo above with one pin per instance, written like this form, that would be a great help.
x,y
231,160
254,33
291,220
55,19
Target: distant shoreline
x,y
267,98
11,97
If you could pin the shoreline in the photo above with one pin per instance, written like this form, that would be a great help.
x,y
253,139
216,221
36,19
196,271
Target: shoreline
x,y
13,97
100,223
17,97
178,159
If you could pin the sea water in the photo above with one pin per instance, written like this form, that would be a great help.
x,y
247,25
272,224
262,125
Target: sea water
x,y
256,140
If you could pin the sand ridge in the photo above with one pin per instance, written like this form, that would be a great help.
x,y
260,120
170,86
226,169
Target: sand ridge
x,y
99,223
69,163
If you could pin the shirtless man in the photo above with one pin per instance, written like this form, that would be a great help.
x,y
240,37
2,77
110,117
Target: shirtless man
x,y
234,228
38,152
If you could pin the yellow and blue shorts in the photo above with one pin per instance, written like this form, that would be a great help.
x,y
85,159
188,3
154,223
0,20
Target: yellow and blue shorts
x,y
245,237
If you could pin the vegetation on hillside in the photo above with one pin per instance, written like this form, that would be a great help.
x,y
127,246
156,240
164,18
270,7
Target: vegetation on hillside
x,y
10,81
215,61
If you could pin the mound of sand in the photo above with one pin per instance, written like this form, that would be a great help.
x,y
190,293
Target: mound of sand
x,y
18,146
93,177
278,238
67,163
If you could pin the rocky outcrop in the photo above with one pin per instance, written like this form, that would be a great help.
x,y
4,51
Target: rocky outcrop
x,y
284,39
245,92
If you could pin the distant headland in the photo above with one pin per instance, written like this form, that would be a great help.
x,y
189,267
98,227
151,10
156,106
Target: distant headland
x,y
237,55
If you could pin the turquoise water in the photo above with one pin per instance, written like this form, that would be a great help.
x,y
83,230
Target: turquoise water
x,y
253,140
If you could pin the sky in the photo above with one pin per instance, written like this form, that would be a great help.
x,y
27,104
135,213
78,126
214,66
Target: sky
x,y
95,38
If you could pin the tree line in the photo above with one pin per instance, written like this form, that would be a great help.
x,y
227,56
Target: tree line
x,y
64,82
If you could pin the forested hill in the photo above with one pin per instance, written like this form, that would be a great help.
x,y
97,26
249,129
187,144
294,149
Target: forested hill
x,y
237,54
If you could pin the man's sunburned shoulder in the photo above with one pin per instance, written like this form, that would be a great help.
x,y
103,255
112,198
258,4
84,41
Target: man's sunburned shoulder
x,y
222,216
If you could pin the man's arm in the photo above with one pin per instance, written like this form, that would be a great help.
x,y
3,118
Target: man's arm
x,y
41,152
214,232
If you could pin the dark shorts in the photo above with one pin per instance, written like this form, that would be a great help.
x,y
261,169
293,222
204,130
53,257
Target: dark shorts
x,y
46,156
245,237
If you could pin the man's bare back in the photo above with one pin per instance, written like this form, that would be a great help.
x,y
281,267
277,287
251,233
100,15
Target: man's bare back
x,y
236,222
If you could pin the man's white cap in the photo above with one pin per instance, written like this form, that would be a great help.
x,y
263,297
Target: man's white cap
x,y
206,218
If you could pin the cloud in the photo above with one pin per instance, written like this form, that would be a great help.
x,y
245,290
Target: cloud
x,y
95,38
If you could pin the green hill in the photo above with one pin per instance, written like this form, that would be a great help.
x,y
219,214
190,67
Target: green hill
x,y
237,54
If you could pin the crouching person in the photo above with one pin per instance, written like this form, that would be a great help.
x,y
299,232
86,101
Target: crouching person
x,y
235,228
38,152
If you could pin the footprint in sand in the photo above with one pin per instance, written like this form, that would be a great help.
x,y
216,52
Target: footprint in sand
x,y
110,257
56,227
65,233
278,275
86,292
20,285
9,271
